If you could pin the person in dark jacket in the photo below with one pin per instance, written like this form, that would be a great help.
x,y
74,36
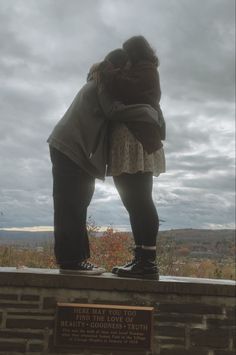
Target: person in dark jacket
x,y
139,84
78,149
136,153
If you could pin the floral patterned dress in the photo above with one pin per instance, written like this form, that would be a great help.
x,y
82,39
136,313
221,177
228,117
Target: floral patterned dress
x,y
126,154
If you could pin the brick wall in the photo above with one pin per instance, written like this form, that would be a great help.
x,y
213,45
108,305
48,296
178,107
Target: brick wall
x,y
192,316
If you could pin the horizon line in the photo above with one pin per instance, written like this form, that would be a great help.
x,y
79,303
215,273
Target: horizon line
x,y
121,228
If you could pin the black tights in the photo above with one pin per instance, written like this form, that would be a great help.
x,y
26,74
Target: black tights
x,y
135,191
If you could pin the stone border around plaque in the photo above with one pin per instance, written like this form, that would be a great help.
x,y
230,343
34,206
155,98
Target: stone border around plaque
x,y
103,326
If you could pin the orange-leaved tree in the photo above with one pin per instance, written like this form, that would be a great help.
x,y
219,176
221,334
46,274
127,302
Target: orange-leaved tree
x,y
111,248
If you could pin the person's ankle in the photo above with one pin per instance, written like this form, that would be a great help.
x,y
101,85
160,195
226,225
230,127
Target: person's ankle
x,y
149,252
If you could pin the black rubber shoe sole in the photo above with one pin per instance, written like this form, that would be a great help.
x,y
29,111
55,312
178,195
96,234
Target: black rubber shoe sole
x,y
138,276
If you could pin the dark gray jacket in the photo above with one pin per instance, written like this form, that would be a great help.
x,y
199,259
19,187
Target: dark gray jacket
x,y
81,134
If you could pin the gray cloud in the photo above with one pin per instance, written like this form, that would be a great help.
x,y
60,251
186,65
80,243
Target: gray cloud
x,y
47,48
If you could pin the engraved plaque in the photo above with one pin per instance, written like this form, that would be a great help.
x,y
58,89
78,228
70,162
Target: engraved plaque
x,y
103,326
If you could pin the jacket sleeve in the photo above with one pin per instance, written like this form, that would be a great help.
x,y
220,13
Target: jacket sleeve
x,y
109,106
117,111
126,88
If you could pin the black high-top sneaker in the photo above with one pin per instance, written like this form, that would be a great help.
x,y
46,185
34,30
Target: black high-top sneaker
x,y
137,254
143,268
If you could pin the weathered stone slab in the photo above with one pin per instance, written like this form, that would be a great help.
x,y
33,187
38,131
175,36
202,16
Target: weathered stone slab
x,y
167,284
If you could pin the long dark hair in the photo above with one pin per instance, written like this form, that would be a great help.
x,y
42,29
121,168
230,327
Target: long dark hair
x,y
118,57
138,49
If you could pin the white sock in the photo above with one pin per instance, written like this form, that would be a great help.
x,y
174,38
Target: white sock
x,y
148,247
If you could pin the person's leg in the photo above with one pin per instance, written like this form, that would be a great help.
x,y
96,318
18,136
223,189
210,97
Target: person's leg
x,y
136,193
72,192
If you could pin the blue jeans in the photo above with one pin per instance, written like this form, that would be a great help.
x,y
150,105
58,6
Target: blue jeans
x,y
73,189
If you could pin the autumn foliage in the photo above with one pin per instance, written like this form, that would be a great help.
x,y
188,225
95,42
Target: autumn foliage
x,y
115,248
112,248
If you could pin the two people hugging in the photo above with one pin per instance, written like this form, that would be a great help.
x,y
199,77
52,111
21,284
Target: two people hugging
x,y
114,127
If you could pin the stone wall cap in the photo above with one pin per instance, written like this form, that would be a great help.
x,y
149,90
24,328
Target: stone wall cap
x,y
51,278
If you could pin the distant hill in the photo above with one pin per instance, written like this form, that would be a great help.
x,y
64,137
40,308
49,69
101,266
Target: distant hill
x,y
25,238
179,236
202,243
199,235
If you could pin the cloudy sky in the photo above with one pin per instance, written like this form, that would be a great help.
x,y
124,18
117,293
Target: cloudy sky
x,y
47,47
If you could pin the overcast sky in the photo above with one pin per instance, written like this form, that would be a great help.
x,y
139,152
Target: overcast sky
x,y
47,47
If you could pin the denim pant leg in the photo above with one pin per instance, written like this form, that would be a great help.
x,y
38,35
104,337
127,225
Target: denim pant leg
x,y
73,189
